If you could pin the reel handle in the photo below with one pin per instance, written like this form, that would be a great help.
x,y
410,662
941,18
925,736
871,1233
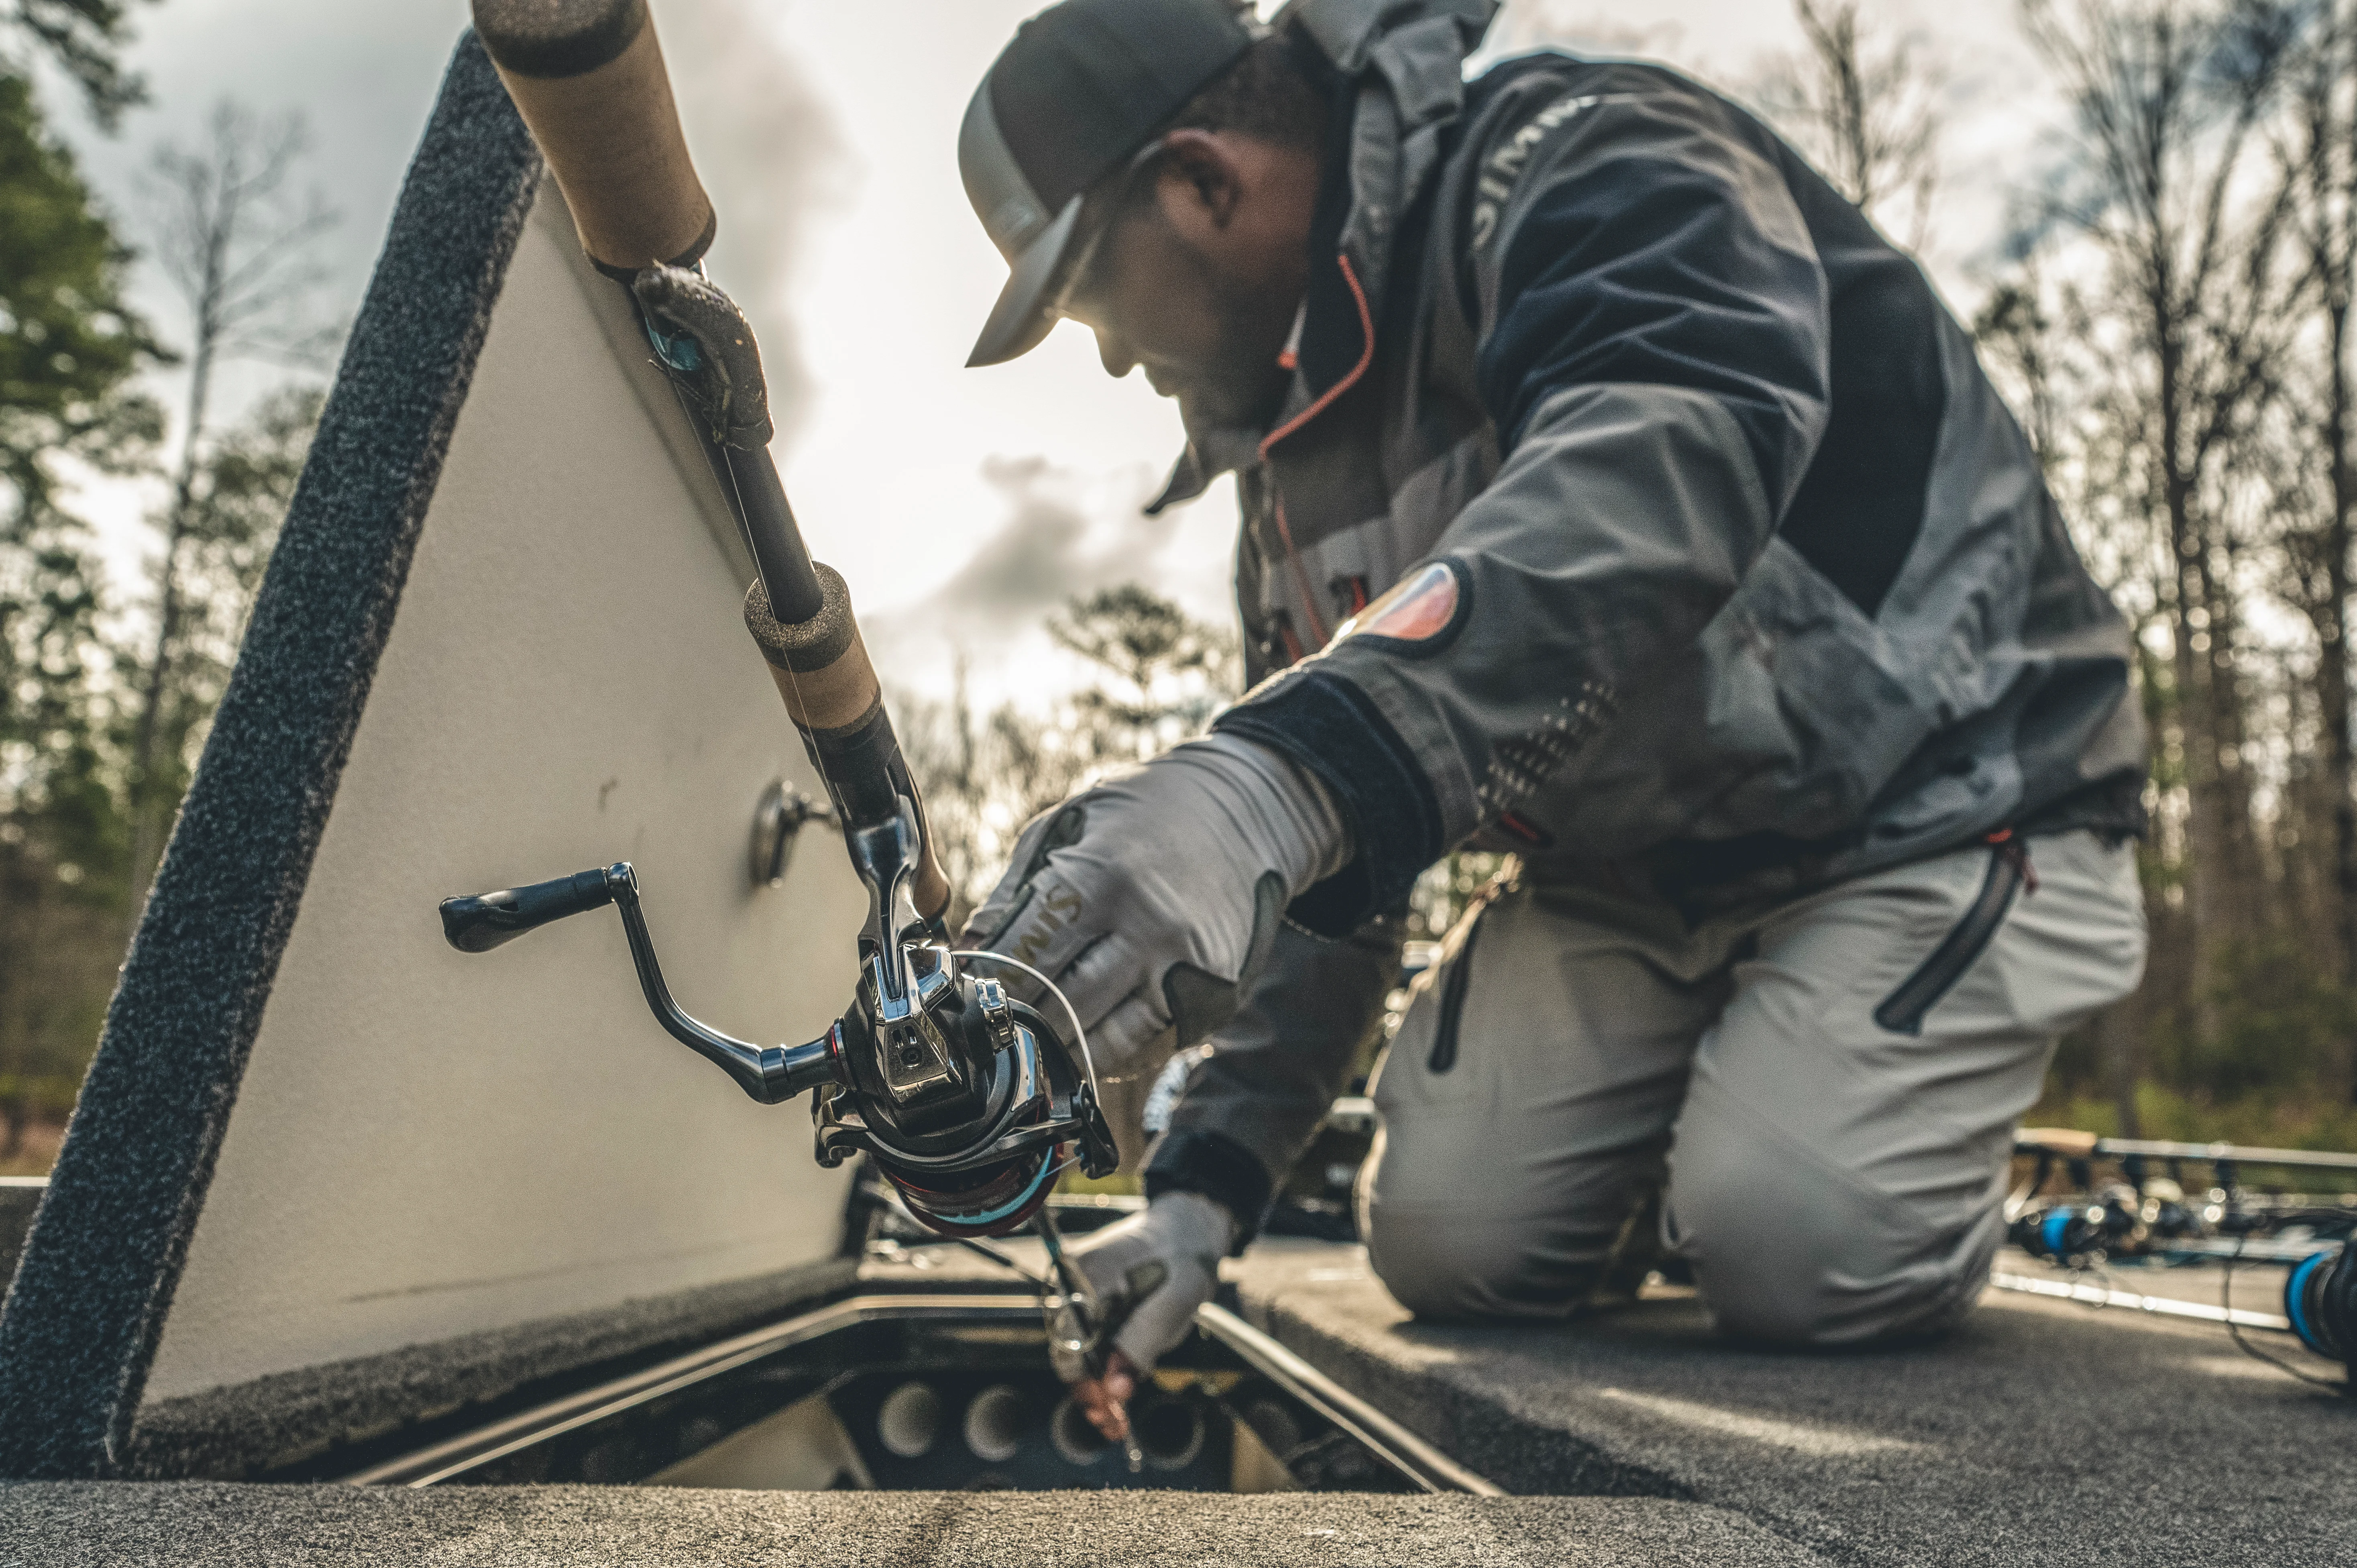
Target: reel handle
x,y
487,920
768,1075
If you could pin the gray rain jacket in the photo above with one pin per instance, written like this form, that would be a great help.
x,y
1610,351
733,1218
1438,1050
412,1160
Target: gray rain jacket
x,y
1721,568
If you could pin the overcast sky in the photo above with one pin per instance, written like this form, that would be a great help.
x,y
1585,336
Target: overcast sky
x,y
960,505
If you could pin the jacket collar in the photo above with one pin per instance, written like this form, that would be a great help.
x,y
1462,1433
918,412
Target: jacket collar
x,y
1399,80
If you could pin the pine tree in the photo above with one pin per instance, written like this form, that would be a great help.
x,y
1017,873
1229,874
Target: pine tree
x,y
69,349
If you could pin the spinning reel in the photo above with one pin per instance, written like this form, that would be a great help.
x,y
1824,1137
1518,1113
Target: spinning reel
x,y
967,1101
2149,1219
2078,1231
2321,1299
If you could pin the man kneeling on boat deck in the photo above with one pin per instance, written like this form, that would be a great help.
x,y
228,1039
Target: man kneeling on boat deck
x,y
1615,495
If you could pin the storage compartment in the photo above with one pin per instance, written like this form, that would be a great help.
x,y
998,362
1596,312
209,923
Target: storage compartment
x,y
944,1392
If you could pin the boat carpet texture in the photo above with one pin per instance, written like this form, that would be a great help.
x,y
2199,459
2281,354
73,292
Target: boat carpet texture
x,y
129,1524
2040,1432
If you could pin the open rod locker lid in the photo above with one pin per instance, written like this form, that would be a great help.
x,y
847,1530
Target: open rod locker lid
x,y
326,1175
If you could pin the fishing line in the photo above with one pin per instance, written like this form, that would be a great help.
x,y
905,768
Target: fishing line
x,y
1079,1034
2226,1299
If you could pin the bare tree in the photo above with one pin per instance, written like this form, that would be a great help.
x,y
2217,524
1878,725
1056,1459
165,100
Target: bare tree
x,y
247,480
2319,161
2167,184
2015,334
239,244
1161,674
1866,110
1157,677
1582,25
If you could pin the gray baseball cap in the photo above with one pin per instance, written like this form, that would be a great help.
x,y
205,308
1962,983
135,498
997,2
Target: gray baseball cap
x,y
1080,90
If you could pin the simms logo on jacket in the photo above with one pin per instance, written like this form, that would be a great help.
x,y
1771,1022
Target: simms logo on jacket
x,y
1505,166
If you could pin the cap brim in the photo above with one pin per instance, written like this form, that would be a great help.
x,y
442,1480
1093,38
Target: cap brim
x,y
1021,319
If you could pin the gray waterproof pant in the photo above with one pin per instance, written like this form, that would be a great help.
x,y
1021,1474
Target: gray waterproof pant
x,y
1831,1179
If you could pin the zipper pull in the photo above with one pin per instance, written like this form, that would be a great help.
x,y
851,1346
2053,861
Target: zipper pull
x,y
2014,851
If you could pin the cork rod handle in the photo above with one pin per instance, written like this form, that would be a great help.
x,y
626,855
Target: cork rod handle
x,y
589,78
822,670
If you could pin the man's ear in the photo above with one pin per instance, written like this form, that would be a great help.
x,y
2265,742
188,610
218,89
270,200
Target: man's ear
x,y
1212,177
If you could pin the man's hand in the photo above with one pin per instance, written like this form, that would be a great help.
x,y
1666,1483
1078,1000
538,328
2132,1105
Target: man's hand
x,y
1106,1400
1151,898
1148,1276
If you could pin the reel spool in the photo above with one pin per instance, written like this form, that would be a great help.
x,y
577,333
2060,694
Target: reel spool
x,y
2077,1233
2321,1299
979,1162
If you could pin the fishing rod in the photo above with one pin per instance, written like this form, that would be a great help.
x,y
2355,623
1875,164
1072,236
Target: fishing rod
x,y
2143,1214
2069,1144
2147,1217
967,1101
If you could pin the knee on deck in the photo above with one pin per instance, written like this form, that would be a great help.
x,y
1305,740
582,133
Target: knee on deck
x,y
1788,1253
1455,1264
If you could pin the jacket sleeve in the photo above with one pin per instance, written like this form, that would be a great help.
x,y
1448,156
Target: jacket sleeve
x,y
1655,355
1255,1101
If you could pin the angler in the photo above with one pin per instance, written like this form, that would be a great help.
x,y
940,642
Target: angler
x,y
1615,495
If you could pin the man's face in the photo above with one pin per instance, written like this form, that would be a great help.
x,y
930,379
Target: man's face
x,y
1199,274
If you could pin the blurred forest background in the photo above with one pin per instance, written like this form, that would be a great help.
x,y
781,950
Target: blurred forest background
x,y
2167,304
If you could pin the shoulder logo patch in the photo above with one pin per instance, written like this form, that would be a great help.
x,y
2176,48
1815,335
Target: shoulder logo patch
x,y
1415,610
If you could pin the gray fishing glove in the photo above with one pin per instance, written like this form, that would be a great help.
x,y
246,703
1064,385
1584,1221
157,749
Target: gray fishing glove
x,y
1153,897
1148,1275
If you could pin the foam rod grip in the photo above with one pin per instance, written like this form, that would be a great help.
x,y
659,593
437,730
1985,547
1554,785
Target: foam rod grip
x,y
587,76
822,670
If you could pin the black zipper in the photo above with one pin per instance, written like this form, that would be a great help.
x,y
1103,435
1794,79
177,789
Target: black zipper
x,y
2009,874
1452,1005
